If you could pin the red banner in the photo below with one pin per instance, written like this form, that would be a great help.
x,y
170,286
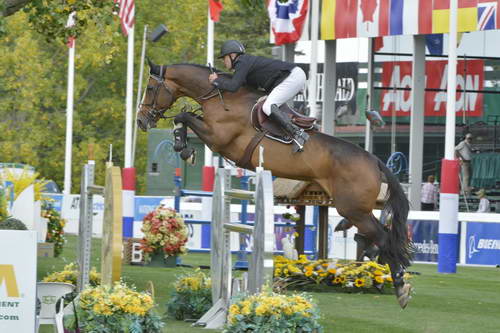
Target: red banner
x,y
399,74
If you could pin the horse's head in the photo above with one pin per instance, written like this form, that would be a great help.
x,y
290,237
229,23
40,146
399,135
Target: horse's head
x,y
158,96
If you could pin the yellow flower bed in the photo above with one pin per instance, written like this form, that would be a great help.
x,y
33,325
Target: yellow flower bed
x,y
272,312
354,275
118,299
70,275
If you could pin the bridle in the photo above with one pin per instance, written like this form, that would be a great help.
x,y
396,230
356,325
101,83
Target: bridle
x,y
155,113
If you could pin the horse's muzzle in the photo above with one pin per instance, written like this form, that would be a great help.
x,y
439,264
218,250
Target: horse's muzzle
x,y
145,123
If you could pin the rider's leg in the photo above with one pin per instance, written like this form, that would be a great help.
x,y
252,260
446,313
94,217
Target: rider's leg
x,y
283,92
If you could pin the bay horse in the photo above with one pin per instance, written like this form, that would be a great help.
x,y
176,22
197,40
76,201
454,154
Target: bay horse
x,y
351,176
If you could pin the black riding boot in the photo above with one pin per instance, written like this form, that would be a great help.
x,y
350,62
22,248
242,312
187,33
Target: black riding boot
x,y
298,135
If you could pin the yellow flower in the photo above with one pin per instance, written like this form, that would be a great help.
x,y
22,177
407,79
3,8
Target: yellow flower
x,y
332,271
308,273
359,283
234,309
379,279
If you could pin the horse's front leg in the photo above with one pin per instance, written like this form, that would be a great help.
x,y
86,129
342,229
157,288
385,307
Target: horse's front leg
x,y
180,136
182,121
198,126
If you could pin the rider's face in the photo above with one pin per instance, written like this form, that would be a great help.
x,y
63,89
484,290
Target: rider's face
x,y
227,61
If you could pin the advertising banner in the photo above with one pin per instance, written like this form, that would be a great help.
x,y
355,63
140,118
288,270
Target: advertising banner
x,y
470,77
17,280
424,235
483,244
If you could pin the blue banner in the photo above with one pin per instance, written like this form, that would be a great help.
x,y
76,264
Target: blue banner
x,y
424,235
483,244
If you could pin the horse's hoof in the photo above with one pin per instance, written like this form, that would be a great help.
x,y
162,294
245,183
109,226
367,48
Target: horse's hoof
x,y
188,155
404,294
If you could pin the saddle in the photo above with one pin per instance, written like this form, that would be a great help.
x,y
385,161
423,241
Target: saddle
x,y
261,122
266,128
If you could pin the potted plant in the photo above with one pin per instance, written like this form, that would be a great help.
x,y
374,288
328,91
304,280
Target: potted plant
x,y
119,308
165,237
192,296
273,312
55,227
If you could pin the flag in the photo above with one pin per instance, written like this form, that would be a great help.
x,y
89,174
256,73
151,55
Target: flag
x,y
378,44
434,43
215,9
487,15
287,19
466,20
126,14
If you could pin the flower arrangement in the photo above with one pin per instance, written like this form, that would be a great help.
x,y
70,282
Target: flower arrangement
x,y
119,308
353,276
192,296
164,232
70,275
24,179
55,227
272,312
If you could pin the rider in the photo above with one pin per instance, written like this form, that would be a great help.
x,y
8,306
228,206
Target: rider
x,y
280,80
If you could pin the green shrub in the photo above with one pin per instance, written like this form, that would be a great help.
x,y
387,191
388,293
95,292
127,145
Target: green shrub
x,y
192,296
12,224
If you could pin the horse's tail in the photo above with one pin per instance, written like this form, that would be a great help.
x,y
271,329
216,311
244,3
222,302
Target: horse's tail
x,y
398,248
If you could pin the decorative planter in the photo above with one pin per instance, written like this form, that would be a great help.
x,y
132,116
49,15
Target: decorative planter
x,y
157,260
171,261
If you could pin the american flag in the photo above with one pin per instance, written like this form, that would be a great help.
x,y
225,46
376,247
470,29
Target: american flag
x,y
126,14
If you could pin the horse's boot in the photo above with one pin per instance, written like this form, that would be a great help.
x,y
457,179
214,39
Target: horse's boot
x,y
297,134
180,137
370,250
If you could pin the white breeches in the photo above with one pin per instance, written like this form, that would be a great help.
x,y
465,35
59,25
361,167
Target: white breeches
x,y
286,90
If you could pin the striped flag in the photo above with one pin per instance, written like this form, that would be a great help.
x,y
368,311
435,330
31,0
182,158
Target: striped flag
x,y
126,14
374,18
487,12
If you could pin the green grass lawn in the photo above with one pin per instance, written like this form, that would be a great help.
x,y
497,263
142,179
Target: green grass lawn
x,y
468,301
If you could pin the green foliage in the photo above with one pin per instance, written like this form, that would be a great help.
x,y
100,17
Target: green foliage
x,y
192,296
12,224
33,76
3,204
50,17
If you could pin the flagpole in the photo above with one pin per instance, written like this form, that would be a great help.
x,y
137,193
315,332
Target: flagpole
x,y
210,60
139,88
129,99
448,203
128,193
69,117
313,70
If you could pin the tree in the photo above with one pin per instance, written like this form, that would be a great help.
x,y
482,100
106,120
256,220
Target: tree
x,y
9,7
33,72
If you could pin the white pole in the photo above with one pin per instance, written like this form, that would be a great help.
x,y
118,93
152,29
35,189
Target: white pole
x,y
448,199
449,142
129,99
69,119
210,60
139,88
313,70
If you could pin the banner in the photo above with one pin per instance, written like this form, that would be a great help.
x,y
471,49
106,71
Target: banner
x,y
424,235
374,18
17,280
399,75
482,244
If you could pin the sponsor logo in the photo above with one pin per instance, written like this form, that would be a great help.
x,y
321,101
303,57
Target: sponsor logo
x,y
8,277
482,244
427,247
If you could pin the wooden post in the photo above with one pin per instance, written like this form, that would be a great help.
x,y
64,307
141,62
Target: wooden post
x,y
323,233
111,251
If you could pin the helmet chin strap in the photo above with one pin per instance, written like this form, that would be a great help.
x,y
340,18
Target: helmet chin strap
x,y
233,60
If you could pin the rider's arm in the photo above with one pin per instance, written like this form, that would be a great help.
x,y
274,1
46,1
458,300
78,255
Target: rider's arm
x,y
239,77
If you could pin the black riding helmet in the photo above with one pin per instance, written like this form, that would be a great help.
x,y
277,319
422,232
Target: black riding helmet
x,y
231,46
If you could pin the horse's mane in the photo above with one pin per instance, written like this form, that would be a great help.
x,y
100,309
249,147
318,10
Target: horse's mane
x,y
219,72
